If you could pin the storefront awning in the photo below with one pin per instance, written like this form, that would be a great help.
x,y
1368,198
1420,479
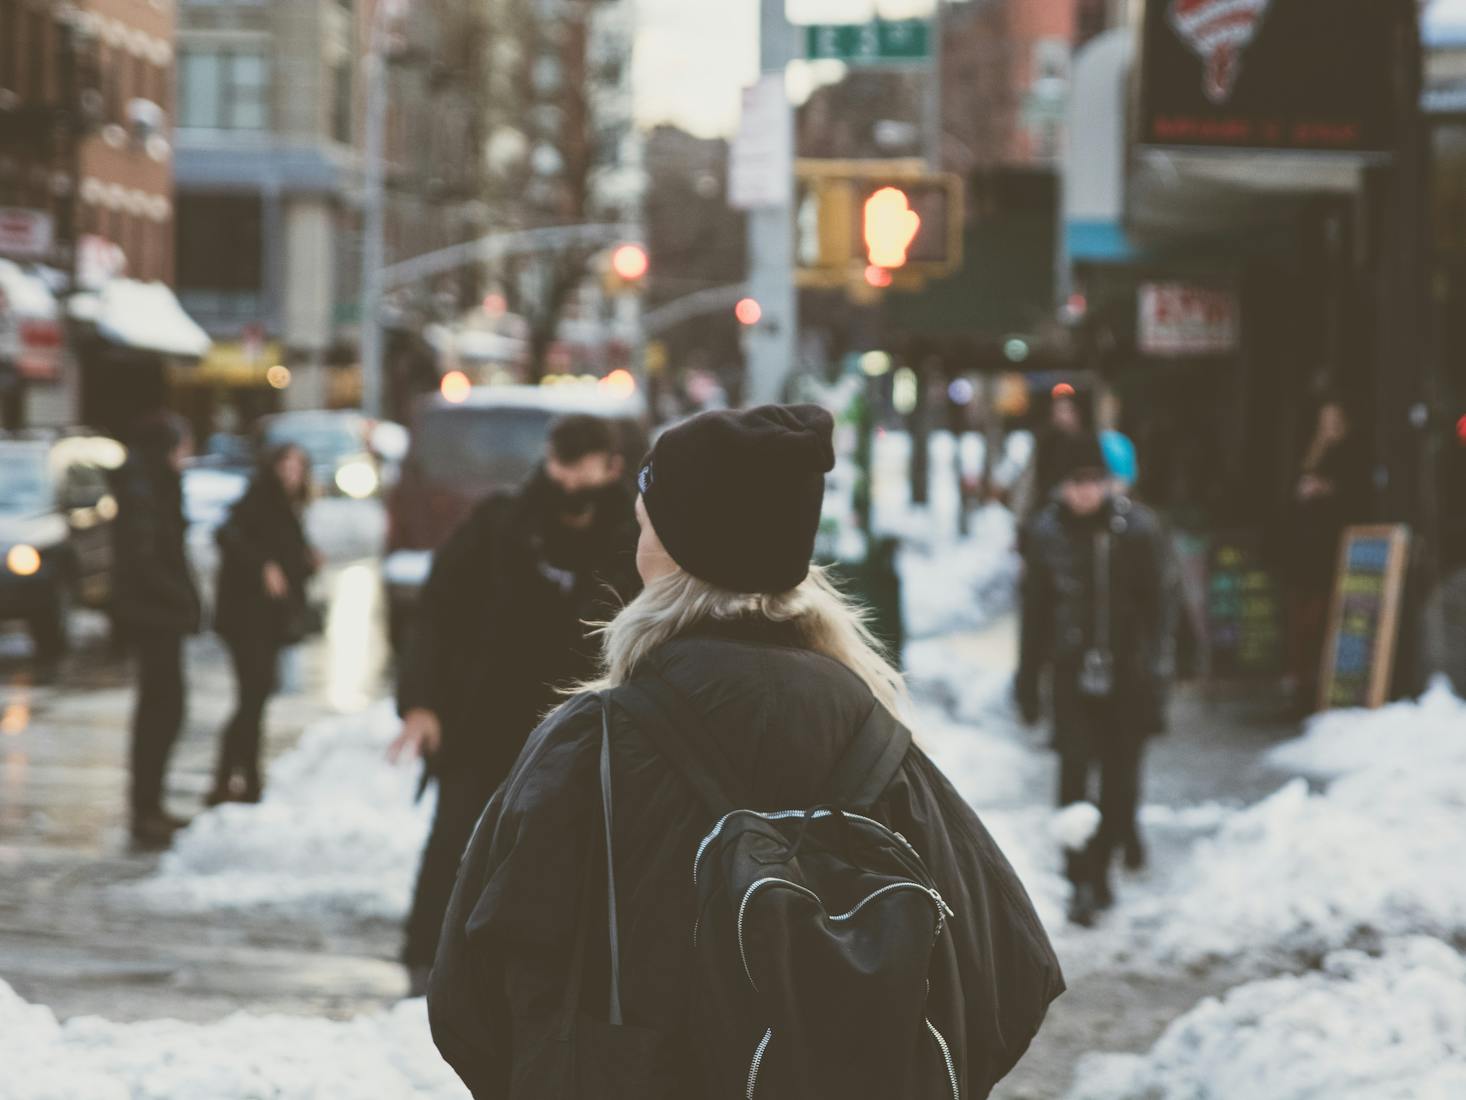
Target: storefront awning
x,y
30,333
142,316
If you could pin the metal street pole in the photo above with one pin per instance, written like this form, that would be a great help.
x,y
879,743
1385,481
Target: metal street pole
x,y
373,228
771,345
934,89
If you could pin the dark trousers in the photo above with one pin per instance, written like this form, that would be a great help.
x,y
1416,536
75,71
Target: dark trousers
x,y
461,801
1101,747
158,716
255,662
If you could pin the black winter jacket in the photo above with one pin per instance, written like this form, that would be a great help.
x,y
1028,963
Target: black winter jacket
x,y
1061,619
781,716
502,623
263,526
152,584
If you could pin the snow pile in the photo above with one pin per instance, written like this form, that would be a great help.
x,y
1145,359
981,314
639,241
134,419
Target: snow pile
x,y
1362,1028
1417,735
337,832
1303,873
383,1056
961,583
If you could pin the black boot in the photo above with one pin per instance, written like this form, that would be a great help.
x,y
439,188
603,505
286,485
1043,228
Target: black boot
x,y
1136,857
1083,907
154,829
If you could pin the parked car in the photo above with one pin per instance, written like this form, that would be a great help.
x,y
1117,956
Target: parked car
x,y
338,443
56,514
460,452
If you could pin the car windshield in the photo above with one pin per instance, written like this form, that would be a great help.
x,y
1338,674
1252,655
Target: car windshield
x,y
326,442
484,446
24,484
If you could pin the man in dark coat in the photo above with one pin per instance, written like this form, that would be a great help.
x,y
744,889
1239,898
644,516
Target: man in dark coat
x,y
1095,585
502,626
157,605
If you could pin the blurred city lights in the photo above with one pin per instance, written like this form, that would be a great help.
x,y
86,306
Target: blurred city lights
x,y
455,387
905,391
874,364
1461,429
630,262
878,276
1016,350
278,376
496,305
890,227
961,391
619,383
23,560
1063,389
748,311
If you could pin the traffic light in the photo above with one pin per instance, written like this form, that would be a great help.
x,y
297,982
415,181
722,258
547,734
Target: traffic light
x,y
626,269
890,227
882,223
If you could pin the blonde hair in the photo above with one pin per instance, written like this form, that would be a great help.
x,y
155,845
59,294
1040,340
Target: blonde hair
x,y
828,622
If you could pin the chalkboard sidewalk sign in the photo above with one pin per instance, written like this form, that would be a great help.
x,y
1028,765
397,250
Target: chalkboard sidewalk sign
x,y
1243,609
1364,619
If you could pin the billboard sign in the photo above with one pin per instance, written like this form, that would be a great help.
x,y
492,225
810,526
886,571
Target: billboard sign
x,y
1290,75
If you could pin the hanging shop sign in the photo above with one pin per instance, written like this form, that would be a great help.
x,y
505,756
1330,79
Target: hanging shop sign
x,y
1310,75
1178,319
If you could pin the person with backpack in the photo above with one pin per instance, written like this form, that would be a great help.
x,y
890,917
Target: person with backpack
x,y
265,563
1096,584
722,869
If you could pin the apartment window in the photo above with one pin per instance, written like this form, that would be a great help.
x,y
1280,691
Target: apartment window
x,y
223,90
219,245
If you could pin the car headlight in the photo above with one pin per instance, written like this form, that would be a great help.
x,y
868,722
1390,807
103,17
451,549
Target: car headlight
x,y
357,479
23,560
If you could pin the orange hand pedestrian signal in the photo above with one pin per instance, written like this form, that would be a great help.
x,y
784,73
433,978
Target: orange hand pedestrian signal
x,y
890,227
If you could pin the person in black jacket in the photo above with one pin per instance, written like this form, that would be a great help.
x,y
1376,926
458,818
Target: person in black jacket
x,y
156,605
264,565
777,674
502,623
1095,583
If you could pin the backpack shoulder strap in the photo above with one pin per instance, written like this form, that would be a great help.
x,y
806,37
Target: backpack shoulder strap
x,y
658,714
871,761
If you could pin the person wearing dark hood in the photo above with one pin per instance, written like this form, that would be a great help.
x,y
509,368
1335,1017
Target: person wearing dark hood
x,y
673,894
156,605
264,564
503,623
1096,581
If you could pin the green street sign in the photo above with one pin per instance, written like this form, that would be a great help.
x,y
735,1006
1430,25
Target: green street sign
x,y
881,42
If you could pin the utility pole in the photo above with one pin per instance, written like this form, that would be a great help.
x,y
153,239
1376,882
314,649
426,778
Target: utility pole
x,y
934,90
770,346
373,214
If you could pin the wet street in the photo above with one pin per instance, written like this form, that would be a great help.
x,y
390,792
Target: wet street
x,y
71,936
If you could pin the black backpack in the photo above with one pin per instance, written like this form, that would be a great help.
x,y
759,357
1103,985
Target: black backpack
x,y
816,928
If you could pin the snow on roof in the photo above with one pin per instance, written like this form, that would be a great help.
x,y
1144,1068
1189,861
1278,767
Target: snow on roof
x,y
141,315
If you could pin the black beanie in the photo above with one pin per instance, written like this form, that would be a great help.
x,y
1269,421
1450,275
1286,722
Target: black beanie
x,y
1076,453
736,496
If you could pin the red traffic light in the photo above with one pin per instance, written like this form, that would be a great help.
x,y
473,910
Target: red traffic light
x,y
890,227
630,262
748,311
878,277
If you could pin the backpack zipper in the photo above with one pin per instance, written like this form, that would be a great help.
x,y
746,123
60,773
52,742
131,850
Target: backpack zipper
x,y
757,1063
761,883
784,815
946,1057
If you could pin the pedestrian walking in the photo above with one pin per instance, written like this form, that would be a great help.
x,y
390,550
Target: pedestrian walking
x,y
503,622
673,894
1096,583
265,563
1331,492
156,605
